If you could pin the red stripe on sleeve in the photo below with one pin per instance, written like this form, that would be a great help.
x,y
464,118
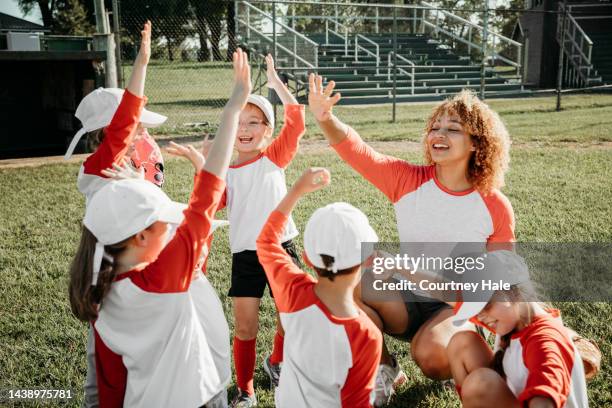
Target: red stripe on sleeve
x,y
117,135
392,176
549,357
111,375
285,146
173,269
366,348
288,282
502,215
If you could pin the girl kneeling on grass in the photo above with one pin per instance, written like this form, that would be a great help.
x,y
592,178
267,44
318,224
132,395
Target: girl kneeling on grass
x,y
455,197
536,365
333,348
151,346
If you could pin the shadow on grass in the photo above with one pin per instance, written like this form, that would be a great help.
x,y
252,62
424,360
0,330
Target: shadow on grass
x,y
416,393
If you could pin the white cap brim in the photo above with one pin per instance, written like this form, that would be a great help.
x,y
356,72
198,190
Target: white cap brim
x,y
466,311
172,213
218,224
151,119
74,142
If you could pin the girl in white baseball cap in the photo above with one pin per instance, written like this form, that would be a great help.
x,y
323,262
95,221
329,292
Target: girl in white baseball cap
x,y
255,185
151,346
333,348
117,123
536,363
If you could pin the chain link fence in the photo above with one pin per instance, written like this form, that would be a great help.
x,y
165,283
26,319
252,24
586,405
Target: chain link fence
x,y
190,76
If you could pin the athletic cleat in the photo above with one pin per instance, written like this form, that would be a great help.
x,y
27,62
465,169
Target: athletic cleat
x,y
387,379
273,371
244,400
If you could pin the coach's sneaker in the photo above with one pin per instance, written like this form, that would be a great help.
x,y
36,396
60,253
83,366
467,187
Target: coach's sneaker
x,y
387,378
273,371
244,400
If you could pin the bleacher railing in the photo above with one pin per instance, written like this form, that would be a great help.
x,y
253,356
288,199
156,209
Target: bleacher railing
x,y
578,48
464,31
391,63
366,50
289,44
344,36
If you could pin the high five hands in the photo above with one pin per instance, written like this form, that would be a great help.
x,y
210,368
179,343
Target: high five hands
x,y
321,100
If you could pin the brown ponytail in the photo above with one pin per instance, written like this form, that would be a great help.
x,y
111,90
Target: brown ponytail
x,y
85,298
518,293
328,261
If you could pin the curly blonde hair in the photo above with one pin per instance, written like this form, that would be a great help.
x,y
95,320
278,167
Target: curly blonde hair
x,y
489,162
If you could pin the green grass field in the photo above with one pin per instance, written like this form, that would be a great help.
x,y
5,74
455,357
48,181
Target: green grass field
x,y
559,185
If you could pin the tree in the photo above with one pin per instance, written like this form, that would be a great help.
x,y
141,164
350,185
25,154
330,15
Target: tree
x,y
209,17
71,19
171,21
67,17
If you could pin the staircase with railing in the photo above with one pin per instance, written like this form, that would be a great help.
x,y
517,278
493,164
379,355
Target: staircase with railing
x,y
426,63
587,46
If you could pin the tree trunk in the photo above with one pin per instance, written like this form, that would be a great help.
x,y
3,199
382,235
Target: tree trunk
x,y
215,36
231,30
203,52
46,12
170,51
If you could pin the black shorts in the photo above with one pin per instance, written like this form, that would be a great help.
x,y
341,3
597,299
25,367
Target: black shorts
x,y
420,309
248,276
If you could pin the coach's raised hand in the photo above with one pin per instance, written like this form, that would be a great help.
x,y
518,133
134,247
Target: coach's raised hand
x,y
321,102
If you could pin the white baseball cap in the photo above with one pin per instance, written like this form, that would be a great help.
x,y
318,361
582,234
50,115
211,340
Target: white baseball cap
x,y
264,104
504,266
97,109
123,208
338,230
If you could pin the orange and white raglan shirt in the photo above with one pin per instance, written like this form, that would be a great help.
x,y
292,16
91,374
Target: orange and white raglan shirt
x,y
118,136
255,187
152,347
425,210
542,361
328,361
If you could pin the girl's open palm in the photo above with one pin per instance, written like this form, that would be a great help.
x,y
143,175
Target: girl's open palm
x,y
124,171
320,100
144,54
271,74
189,152
242,78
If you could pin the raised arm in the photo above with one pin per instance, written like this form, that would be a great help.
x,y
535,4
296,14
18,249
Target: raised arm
x,y
136,83
394,177
285,278
122,128
274,82
221,150
321,103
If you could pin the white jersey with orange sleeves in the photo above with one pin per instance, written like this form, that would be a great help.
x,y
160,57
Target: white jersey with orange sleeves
x,y
118,137
327,361
255,187
425,210
541,361
152,338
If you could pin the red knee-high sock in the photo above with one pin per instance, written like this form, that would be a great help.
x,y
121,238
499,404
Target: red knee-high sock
x,y
244,361
277,351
